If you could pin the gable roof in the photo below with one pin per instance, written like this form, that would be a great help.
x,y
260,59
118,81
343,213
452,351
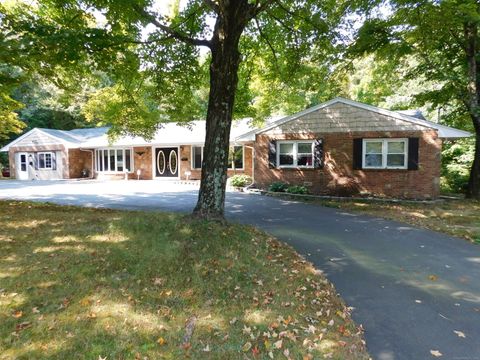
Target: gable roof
x,y
443,131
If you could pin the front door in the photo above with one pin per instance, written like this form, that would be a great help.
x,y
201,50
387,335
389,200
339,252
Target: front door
x,y
21,166
166,162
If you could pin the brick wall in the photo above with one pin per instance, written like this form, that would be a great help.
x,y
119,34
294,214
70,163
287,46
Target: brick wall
x,y
79,160
338,177
142,160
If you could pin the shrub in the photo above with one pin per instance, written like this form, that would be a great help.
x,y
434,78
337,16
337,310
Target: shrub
x,y
297,189
240,180
278,186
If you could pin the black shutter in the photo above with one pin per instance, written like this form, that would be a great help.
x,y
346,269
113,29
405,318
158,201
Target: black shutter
x,y
357,153
272,154
54,160
413,154
318,154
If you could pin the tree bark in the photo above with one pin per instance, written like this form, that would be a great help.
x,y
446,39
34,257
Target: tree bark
x,y
473,104
232,18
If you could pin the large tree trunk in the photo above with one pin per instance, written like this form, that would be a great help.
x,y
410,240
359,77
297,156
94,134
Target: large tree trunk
x,y
473,104
224,65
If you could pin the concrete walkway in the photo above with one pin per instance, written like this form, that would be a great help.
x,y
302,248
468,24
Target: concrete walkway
x,y
411,288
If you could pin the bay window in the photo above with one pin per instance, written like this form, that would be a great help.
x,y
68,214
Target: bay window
x,y
113,160
385,153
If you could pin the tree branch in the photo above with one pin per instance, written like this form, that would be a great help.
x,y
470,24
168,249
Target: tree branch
x,y
259,7
212,5
262,35
170,31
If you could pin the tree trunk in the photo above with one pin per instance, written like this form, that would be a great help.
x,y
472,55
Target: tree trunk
x,y
230,24
473,104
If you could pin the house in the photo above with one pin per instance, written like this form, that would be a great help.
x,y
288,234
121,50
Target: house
x,y
340,147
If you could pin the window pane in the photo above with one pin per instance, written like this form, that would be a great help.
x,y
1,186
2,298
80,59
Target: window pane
x,y
286,159
105,160
305,160
396,160
128,160
48,161
305,148
396,147
238,157
23,162
197,157
373,147
41,161
373,160
119,160
286,149
112,160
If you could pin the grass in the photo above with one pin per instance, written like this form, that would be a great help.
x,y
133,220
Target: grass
x,y
80,283
459,218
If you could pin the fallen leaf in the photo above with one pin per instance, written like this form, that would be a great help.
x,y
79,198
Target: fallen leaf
x,y
247,346
278,344
18,314
161,341
255,351
436,353
433,277
206,348
23,325
35,310
459,333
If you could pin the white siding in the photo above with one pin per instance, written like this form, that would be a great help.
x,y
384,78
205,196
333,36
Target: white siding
x,y
37,138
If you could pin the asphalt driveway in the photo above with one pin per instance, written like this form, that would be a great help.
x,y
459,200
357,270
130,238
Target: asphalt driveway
x,y
413,290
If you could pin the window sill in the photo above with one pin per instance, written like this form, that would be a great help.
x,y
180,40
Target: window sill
x,y
297,168
383,169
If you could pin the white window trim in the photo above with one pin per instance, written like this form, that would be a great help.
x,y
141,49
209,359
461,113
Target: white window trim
x,y
295,153
231,166
102,159
192,162
385,142
45,160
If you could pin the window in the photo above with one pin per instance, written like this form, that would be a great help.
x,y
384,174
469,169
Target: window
x,y
45,160
295,154
385,153
235,157
113,160
197,157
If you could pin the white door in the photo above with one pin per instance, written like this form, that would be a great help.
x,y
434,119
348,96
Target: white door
x,y
21,166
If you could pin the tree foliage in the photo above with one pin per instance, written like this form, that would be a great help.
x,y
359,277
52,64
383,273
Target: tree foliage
x,y
443,39
257,53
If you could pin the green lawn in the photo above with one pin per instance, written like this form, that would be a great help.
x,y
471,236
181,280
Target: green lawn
x,y
81,283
